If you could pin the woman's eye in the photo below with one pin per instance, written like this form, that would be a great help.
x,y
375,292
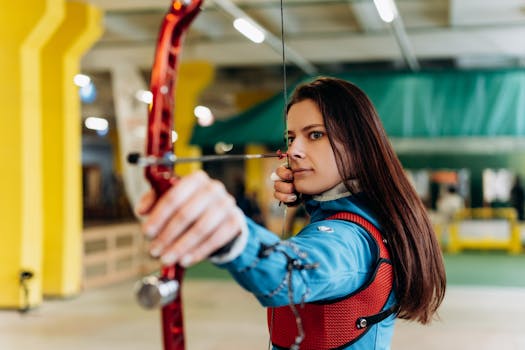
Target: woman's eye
x,y
290,140
314,135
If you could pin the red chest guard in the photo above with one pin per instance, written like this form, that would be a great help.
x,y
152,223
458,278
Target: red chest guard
x,y
335,324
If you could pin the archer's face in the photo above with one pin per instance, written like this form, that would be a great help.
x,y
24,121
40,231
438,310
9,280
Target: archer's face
x,y
310,154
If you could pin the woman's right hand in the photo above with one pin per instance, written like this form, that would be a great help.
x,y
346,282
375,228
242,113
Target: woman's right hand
x,y
189,222
284,190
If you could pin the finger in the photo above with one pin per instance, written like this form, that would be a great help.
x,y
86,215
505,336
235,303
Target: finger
x,y
274,177
145,203
200,232
284,187
285,198
221,236
191,219
172,201
284,173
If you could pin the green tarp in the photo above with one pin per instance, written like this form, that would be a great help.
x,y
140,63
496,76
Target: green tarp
x,y
411,105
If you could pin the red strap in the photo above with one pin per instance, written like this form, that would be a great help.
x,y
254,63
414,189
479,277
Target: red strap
x,y
333,324
368,226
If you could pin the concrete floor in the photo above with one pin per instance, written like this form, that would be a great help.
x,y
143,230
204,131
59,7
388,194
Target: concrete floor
x,y
219,315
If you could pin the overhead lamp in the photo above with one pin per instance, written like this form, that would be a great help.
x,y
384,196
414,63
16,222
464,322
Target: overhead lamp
x,y
82,80
202,112
100,125
144,96
386,9
249,30
204,115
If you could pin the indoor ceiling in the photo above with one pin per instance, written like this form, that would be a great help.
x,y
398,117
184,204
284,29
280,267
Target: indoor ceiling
x,y
470,32
320,35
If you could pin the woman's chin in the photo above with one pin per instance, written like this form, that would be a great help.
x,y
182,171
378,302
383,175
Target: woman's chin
x,y
302,190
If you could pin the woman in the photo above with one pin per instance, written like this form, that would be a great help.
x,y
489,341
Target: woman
x,y
340,161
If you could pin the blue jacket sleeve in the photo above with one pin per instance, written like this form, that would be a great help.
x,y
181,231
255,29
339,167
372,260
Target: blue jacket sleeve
x,y
326,260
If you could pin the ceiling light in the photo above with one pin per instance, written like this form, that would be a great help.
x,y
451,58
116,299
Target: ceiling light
x,y
386,9
202,112
81,80
204,115
144,96
249,30
96,123
174,136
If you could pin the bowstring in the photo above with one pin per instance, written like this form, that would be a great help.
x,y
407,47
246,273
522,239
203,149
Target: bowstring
x,y
285,100
284,234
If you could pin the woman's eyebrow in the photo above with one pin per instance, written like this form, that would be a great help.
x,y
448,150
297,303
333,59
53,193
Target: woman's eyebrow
x,y
312,126
306,128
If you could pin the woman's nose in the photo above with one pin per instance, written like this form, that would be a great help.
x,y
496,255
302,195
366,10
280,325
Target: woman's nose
x,y
295,150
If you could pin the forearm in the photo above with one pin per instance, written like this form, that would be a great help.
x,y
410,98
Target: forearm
x,y
317,266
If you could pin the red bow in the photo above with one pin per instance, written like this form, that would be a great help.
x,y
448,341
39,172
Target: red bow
x,y
159,143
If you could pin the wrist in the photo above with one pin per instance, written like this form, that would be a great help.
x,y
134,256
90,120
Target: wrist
x,y
232,249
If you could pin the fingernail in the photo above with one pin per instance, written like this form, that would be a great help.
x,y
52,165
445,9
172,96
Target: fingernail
x,y
149,231
186,260
169,258
292,198
155,251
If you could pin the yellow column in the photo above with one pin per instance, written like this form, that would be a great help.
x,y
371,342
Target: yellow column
x,y
255,176
24,29
193,77
256,170
62,264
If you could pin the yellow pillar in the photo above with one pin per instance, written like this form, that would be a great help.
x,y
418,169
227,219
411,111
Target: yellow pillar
x,y
256,170
193,77
24,29
62,264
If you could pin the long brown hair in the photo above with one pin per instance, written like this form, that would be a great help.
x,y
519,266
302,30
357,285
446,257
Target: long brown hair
x,y
367,155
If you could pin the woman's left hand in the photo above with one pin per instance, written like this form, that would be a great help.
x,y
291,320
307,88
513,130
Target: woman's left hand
x,y
191,220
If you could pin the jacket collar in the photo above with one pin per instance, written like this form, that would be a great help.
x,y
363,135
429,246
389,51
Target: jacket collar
x,y
336,192
339,191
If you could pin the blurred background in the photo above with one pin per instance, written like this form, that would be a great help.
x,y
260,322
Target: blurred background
x,y
446,76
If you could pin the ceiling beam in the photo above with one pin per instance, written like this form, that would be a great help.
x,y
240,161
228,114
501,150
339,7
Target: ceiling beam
x,y
474,12
275,43
431,44
398,28
367,16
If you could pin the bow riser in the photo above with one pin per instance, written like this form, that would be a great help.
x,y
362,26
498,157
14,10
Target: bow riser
x,y
159,141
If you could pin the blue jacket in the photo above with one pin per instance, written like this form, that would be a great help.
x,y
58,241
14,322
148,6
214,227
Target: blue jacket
x,y
342,252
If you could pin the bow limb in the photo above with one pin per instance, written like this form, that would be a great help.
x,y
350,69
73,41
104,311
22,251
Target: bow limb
x,y
163,79
159,142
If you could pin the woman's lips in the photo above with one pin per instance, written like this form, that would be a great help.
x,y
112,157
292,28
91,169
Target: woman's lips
x,y
301,172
